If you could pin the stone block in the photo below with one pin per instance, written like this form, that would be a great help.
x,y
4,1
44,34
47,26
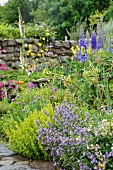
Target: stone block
x,y
9,57
4,43
57,44
18,41
34,48
10,49
73,43
11,42
17,49
36,41
66,44
28,40
65,51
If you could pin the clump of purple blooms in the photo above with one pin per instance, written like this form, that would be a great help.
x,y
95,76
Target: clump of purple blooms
x,y
63,137
82,44
71,141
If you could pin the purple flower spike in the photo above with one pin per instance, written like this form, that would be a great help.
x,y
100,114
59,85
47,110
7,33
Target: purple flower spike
x,y
99,43
93,40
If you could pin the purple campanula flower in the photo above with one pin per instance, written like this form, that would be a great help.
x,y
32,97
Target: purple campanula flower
x,y
12,100
52,96
19,103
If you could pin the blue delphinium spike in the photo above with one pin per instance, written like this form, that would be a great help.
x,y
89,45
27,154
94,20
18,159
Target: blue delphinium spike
x,y
93,41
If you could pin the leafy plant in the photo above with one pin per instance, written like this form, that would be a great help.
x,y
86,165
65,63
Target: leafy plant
x,y
23,136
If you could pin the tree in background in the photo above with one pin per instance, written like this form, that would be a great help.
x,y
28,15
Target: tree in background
x,y
63,14
9,11
60,14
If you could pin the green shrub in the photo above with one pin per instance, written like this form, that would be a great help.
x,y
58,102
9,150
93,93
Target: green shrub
x,y
7,31
23,136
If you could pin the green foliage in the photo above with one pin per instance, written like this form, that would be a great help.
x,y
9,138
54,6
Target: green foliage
x,y
62,14
7,31
40,15
23,136
12,12
109,11
95,18
59,14
108,28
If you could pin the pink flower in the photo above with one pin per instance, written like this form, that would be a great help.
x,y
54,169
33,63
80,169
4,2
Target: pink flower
x,y
30,85
50,46
3,68
2,65
3,51
2,94
10,81
1,85
50,53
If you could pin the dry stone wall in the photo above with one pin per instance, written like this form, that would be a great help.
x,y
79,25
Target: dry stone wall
x,y
10,51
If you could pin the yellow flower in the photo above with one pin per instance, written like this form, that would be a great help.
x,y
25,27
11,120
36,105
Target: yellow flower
x,y
39,44
39,54
36,59
21,82
72,48
83,50
89,50
77,48
47,33
74,51
29,51
30,45
29,66
43,38
41,51
101,165
32,54
46,49
22,88
47,63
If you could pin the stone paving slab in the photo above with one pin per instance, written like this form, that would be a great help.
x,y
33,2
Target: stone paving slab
x,y
16,167
10,161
